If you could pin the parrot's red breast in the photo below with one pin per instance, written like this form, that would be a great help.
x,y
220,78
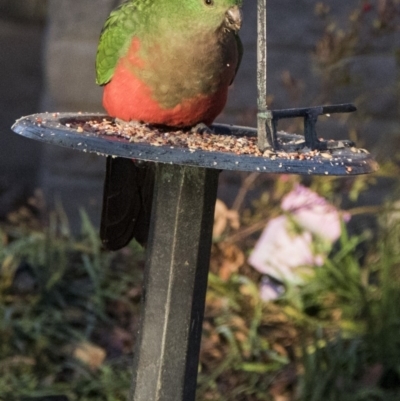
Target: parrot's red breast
x,y
127,97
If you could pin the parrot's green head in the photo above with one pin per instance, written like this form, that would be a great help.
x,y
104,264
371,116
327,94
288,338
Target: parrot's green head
x,y
203,14
226,13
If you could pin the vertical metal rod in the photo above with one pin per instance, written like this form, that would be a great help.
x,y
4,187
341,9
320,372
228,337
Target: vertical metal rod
x,y
178,255
262,55
265,133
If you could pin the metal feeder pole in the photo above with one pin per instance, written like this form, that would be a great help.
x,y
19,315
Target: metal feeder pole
x,y
266,136
178,256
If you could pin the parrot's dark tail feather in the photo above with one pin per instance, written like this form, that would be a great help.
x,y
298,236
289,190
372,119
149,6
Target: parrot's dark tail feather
x,y
127,200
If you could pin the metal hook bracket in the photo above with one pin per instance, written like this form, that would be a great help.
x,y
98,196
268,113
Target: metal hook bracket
x,y
310,115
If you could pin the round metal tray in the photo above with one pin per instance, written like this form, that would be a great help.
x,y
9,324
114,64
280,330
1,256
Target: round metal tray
x,y
51,128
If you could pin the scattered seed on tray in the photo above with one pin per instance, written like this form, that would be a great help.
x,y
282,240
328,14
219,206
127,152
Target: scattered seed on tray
x,y
155,136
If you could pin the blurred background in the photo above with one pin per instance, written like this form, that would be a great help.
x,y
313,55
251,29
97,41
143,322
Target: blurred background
x,y
69,310
21,85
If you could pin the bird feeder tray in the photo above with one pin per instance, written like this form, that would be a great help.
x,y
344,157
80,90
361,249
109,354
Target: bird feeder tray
x,y
291,155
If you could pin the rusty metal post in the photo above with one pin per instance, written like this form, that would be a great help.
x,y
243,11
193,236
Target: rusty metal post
x,y
178,255
266,136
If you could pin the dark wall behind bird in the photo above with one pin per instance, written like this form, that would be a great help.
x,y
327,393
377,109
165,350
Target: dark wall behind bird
x,y
21,78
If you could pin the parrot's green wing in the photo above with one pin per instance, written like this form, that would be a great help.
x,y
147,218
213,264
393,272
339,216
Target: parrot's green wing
x,y
240,53
115,39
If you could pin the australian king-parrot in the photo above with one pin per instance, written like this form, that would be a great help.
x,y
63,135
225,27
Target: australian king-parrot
x,y
162,62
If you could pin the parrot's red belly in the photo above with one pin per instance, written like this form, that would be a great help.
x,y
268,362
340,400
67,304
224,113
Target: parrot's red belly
x,y
128,98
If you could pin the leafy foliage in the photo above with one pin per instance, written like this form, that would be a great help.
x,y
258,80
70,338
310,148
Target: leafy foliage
x,y
55,293
68,310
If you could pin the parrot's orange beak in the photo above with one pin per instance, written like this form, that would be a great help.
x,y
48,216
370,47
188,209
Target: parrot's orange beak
x,y
234,18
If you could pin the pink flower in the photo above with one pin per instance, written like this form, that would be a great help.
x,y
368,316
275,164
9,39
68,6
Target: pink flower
x,y
279,252
314,213
287,244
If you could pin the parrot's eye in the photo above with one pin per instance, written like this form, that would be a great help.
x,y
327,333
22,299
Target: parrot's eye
x,y
209,2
